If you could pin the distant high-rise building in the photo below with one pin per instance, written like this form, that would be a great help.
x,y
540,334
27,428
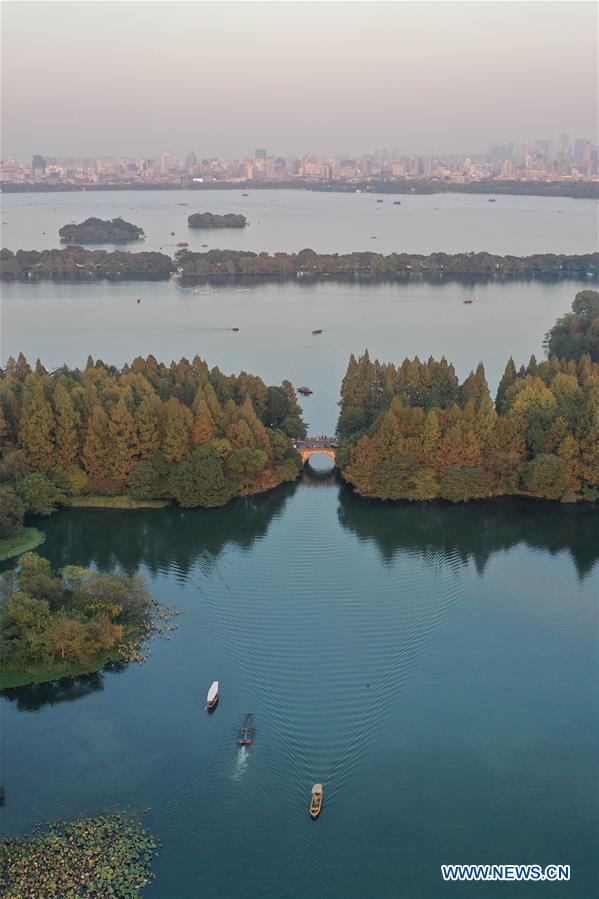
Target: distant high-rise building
x,y
582,153
259,154
167,162
38,163
190,160
564,143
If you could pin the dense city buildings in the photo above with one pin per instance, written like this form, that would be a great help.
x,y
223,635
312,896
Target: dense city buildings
x,y
541,160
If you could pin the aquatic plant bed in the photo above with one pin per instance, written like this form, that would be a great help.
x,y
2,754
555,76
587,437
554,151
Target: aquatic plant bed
x,y
88,858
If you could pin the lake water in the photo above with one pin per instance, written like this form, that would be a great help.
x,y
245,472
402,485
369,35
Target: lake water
x,y
289,220
435,667
65,322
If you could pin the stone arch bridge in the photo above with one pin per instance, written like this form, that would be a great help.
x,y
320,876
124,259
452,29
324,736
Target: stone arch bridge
x,y
317,446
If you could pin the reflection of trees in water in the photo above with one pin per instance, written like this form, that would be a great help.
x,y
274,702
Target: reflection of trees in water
x,y
66,689
312,477
161,539
473,530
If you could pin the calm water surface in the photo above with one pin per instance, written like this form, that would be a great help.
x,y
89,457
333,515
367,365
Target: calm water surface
x,y
289,220
64,322
434,667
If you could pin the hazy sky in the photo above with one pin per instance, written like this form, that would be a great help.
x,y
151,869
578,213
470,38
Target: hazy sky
x,y
135,78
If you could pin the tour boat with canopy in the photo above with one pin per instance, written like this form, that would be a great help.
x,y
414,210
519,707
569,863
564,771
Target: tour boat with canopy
x,y
316,801
213,696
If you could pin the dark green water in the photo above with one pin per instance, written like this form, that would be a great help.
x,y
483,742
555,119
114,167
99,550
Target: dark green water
x,y
435,667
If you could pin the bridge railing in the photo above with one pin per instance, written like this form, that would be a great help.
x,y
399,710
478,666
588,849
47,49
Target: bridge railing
x,y
316,442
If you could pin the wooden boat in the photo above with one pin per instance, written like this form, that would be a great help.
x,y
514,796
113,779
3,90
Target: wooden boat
x,y
213,696
247,731
316,800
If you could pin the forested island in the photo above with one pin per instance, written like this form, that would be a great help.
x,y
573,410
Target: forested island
x,y
308,263
145,434
94,230
54,624
211,220
106,857
78,263
414,432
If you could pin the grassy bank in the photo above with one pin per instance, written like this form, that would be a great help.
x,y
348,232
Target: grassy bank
x,y
93,501
23,542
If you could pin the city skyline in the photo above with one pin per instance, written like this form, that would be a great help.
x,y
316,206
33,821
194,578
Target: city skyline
x,y
442,78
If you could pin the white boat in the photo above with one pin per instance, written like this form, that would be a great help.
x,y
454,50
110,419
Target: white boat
x,y
212,698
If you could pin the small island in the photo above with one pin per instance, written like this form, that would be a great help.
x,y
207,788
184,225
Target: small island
x,y
210,220
94,230
56,624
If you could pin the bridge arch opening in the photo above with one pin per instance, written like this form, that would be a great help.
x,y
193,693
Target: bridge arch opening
x,y
321,463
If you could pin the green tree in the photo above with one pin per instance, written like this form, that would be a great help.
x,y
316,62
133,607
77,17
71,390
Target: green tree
x,y
39,494
547,476
200,480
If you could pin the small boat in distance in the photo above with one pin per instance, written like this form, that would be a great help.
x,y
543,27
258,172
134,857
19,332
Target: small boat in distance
x,y
316,800
213,696
234,329
182,243
245,195
305,391
397,202
317,331
247,731
467,302
492,200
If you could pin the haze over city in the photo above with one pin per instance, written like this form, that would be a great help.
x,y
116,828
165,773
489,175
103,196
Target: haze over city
x,y
332,78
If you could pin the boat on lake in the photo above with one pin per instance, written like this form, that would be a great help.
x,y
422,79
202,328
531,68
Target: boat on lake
x,y
317,331
316,800
234,329
247,731
467,302
182,243
213,696
305,391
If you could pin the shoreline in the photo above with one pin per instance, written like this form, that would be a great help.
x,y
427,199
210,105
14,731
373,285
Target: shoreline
x,y
576,190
